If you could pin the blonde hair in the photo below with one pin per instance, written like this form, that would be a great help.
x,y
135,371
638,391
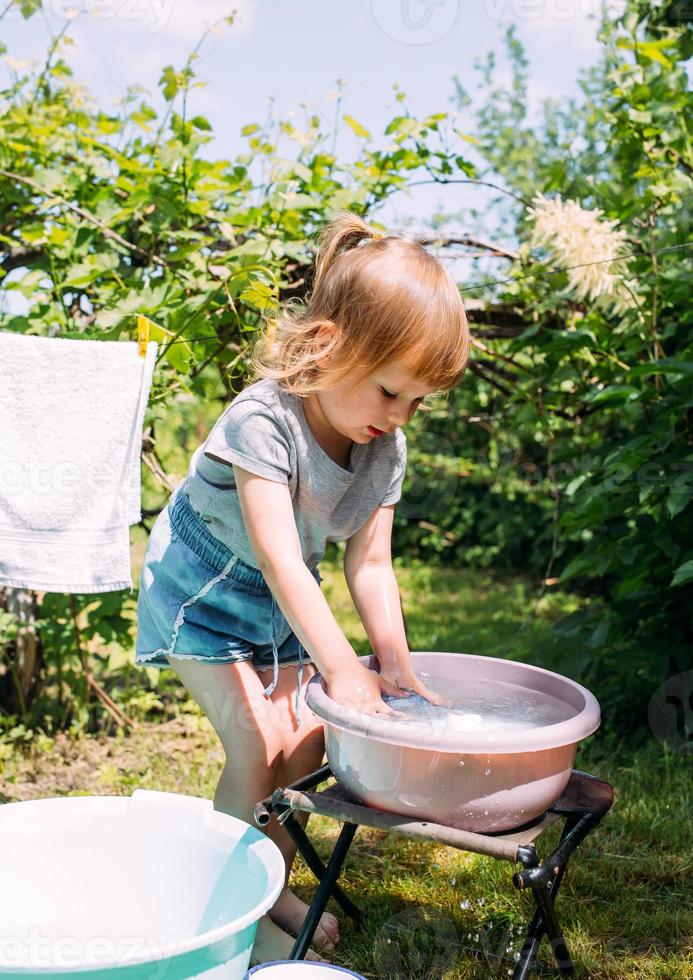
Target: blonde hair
x,y
382,297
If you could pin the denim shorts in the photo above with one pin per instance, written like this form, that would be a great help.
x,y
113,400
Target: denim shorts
x,y
199,601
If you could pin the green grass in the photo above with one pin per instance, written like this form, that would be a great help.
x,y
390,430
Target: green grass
x,y
433,912
461,610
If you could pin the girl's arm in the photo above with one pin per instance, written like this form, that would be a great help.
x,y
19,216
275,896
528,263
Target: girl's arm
x,y
269,521
371,579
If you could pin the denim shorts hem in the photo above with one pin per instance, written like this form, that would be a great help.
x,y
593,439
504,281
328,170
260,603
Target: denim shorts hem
x,y
144,658
287,663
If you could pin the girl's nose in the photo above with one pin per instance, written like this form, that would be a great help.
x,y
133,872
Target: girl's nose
x,y
400,416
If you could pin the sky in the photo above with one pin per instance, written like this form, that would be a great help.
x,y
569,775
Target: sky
x,y
283,54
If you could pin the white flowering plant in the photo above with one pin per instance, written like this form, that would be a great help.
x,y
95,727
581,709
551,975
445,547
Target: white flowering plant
x,y
588,246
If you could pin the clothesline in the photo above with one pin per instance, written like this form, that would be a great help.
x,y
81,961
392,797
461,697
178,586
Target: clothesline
x,y
498,282
580,265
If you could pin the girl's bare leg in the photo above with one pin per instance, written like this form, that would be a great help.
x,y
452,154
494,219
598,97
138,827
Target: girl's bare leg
x,y
303,748
254,732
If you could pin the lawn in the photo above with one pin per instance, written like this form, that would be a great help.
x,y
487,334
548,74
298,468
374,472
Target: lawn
x,y
433,912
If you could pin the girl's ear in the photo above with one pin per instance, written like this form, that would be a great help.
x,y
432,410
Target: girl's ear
x,y
326,331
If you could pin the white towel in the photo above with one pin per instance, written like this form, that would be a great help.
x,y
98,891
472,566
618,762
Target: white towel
x,y
71,417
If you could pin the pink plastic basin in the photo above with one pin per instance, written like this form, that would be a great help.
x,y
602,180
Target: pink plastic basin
x,y
474,780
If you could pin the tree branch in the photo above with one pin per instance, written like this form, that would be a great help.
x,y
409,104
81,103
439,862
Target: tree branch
x,y
502,321
479,183
470,240
108,232
112,708
16,258
478,370
503,357
496,369
152,461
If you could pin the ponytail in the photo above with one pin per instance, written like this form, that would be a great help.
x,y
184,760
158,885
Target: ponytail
x,y
345,231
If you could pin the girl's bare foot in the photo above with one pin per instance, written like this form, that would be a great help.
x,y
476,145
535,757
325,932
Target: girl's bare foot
x,y
272,943
289,912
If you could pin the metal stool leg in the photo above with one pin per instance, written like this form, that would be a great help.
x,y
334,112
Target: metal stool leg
x,y
534,935
319,903
312,859
544,901
545,918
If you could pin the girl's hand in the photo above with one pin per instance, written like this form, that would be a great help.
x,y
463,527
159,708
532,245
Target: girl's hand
x,y
405,680
358,687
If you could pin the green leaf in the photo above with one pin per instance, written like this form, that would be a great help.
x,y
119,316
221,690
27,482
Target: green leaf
x,y
575,484
666,365
84,273
51,179
299,202
640,115
681,490
108,124
356,126
143,116
258,294
29,7
677,501
178,354
170,83
34,233
653,51
81,275
683,574
568,340
614,393
581,565
403,125
466,166
29,283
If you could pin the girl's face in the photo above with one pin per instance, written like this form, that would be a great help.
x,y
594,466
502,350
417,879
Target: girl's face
x,y
367,405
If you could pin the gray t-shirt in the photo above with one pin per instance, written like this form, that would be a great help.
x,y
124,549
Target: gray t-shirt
x,y
264,430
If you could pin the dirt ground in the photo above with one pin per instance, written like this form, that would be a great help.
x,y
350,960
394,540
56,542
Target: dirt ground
x,y
161,755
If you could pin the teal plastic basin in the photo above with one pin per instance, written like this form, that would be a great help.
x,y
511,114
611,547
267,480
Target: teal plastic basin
x,y
156,886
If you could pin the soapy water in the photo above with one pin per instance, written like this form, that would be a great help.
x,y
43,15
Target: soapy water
x,y
481,705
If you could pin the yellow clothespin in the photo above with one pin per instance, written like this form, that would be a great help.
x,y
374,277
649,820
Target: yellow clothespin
x,y
142,334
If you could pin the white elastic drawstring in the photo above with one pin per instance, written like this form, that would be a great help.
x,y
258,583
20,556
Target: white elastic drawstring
x,y
275,655
275,670
297,705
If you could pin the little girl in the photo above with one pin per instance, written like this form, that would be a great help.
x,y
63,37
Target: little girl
x,y
310,453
